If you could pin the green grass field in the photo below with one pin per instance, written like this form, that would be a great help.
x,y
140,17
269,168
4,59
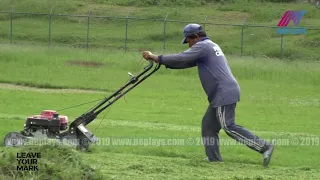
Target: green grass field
x,y
280,100
280,97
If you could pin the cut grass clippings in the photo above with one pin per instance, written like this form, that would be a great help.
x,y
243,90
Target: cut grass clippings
x,y
55,162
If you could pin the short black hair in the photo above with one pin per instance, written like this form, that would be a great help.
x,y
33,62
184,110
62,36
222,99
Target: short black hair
x,y
200,34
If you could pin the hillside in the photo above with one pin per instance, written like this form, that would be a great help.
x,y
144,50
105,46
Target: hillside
x,y
146,28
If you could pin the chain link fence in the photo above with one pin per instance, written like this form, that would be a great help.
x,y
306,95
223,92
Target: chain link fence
x,y
131,33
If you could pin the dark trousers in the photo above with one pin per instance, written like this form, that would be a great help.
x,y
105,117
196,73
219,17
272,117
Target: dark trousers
x,y
223,117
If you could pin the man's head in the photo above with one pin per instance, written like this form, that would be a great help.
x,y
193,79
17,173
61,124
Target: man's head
x,y
192,34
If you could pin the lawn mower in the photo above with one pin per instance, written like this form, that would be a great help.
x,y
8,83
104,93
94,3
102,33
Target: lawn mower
x,y
51,125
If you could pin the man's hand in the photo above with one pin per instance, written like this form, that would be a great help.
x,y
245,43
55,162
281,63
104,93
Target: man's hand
x,y
149,56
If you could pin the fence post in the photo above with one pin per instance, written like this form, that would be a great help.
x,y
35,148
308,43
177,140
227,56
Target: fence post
x,y
243,24
11,30
164,32
281,45
126,40
204,24
88,28
50,18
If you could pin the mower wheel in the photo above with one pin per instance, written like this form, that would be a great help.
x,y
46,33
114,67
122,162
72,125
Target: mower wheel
x,y
83,144
14,139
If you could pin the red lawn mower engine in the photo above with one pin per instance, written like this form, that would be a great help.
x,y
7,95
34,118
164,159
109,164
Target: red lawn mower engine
x,y
48,125
48,120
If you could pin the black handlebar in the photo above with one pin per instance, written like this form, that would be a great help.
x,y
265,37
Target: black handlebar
x,y
134,81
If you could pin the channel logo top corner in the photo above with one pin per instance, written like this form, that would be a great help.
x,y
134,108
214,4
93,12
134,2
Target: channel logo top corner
x,y
291,15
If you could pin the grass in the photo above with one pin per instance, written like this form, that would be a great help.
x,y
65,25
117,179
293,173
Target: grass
x,y
49,164
58,75
279,96
279,100
110,33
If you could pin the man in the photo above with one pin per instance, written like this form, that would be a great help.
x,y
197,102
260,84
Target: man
x,y
221,88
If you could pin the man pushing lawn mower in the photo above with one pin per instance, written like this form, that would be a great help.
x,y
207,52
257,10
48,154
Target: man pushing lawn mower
x,y
221,88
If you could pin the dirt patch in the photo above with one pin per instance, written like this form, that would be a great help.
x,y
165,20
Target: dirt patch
x,y
84,63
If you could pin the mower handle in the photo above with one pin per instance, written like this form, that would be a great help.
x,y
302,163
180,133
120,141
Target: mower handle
x,y
134,78
150,64
89,116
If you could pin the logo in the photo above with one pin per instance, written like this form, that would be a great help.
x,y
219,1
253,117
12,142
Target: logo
x,y
287,18
218,51
28,161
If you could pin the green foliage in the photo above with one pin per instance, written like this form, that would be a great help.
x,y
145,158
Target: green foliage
x,y
148,3
110,34
56,162
280,1
189,3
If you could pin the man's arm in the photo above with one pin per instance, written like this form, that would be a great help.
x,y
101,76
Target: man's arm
x,y
178,64
184,59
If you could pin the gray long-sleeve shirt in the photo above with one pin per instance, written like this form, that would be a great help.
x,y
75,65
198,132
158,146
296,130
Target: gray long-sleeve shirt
x,y
216,78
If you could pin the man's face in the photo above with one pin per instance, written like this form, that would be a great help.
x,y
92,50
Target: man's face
x,y
192,41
